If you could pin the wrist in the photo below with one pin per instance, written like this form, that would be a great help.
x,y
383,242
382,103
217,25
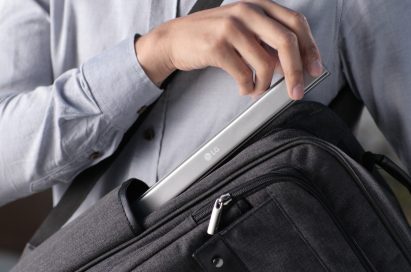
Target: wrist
x,y
153,58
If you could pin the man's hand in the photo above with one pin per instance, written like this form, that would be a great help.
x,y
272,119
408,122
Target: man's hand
x,y
241,37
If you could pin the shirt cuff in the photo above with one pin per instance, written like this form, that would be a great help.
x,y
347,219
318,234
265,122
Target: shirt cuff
x,y
119,84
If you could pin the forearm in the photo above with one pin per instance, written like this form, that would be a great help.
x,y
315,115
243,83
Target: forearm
x,y
52,133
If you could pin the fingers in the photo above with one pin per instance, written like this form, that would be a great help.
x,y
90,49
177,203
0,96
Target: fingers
x,y
239,37
231,62
254,55
283,40
298,24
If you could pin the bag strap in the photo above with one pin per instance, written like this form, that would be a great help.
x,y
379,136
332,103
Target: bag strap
x,y
370,160
85,181
78,190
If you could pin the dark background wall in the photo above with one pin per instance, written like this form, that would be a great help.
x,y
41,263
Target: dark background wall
x,y
19,220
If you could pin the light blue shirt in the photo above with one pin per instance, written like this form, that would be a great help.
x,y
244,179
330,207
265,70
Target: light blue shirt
x,y
70,86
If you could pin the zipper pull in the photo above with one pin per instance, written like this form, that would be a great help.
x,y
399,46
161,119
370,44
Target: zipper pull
x,y
222,201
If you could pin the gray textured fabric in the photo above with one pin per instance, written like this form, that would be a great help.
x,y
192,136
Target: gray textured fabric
x,y
76,86
294,239
305,214
299,204
103,227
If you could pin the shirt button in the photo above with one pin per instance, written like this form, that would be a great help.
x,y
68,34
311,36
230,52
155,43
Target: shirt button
x,y
149,134
95,155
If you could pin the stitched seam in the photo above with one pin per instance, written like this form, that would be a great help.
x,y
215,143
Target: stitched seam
x,y
124,212
246,216
346,73
51,174
339,21
88,90
154,253
233,252
302,237
160,149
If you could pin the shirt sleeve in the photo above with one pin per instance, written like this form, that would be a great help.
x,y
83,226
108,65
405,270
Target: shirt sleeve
x,y
52,129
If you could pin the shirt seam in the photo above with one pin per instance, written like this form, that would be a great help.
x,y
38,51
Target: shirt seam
x,y
52,175
160,149
103,113
339,22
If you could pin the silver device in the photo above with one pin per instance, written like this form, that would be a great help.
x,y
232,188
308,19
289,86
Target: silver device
x,y
266,108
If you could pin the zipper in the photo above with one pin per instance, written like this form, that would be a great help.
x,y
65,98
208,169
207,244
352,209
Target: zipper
x,y
215,216
215,213
242,191
187,205
296,140
226,199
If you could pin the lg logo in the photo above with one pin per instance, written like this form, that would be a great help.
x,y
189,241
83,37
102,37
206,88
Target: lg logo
x,y
209,155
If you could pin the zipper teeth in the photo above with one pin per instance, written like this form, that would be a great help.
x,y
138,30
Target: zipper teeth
x,y
238,191
224,181
180,210
256,184
293,140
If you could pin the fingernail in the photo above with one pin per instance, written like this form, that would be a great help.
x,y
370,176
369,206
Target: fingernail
x,y
298,92
316,68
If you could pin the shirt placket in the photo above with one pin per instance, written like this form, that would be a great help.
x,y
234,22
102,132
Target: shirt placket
x,y
152,130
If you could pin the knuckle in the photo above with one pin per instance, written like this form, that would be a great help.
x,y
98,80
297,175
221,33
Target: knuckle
x,y
298,19
294,74
311,53
216,45
229,25
288,39
242,7
245,76
267,68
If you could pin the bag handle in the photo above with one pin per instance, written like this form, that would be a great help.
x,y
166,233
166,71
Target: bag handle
x,y
370,160
85,181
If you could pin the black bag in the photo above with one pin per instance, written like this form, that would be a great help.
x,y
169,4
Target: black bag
x,y
294,198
